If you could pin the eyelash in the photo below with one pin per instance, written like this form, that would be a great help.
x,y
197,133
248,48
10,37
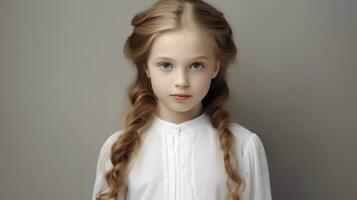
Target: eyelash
x,y
202,65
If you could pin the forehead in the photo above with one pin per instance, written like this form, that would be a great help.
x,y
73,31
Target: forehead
x,y
182,44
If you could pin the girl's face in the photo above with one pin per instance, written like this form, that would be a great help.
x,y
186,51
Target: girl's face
x,y
181,62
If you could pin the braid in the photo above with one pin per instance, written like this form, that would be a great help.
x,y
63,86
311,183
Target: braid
x,y
123,150
220,119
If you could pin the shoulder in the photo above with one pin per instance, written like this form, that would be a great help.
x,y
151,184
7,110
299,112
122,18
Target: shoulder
x,y
244,138
105,150
240,131
108,142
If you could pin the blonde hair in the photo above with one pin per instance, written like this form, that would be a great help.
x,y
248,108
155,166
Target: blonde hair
x,y
166,15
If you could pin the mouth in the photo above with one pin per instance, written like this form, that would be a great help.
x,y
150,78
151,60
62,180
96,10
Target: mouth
x,y
180,96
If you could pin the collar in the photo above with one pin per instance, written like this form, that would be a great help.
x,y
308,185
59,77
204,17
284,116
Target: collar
x,y
183,127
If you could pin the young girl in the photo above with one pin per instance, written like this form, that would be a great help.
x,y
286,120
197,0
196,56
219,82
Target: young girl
x,y
178,142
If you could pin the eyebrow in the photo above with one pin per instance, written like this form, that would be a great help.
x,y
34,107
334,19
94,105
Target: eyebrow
x,y
168,58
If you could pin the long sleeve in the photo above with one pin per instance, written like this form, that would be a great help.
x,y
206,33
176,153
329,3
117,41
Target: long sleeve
x,y
103,165
255,161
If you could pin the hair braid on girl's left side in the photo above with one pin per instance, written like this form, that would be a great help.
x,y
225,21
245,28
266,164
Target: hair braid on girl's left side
x,y
221,119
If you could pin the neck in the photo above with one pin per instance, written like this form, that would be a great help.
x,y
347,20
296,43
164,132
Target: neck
x,y
179,117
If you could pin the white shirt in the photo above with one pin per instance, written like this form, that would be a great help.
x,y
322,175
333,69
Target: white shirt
x,y
184,162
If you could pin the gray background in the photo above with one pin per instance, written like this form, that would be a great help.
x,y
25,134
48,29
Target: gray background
x,y
63,81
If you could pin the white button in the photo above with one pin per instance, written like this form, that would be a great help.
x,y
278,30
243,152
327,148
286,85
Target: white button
x,y
180,129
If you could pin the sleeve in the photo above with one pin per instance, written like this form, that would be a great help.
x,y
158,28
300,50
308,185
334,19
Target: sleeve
x,y
104,164
256,166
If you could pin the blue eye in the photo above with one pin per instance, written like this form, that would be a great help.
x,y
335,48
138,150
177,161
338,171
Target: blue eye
x,y
164,66
195,66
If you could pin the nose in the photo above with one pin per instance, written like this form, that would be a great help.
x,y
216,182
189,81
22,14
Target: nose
x,y
181,79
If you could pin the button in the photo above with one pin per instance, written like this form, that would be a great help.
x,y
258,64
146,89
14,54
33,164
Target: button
x,y
180,129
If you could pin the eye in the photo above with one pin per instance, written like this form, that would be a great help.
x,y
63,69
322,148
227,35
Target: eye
x,y
197,65
164,66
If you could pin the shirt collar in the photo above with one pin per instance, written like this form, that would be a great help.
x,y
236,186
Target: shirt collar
x,y
183,127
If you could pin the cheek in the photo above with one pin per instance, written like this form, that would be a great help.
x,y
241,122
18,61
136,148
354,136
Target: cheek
x,y
202,85
158,85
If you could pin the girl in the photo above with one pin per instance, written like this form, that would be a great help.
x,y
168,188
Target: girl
x,y
178,142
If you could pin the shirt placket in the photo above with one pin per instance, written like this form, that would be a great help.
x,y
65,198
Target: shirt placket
x,y
173,147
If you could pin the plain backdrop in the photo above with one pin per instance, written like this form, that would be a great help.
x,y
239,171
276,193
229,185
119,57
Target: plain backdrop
x,y
63,81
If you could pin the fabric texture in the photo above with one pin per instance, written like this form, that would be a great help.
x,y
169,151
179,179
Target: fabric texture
x,y
184,162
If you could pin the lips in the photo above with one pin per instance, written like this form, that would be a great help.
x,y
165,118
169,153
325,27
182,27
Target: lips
x,y
181,95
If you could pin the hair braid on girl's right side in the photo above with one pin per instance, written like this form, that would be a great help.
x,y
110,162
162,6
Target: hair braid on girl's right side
x,y
124,149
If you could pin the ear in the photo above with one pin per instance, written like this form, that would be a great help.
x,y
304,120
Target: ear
x,y
216,69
